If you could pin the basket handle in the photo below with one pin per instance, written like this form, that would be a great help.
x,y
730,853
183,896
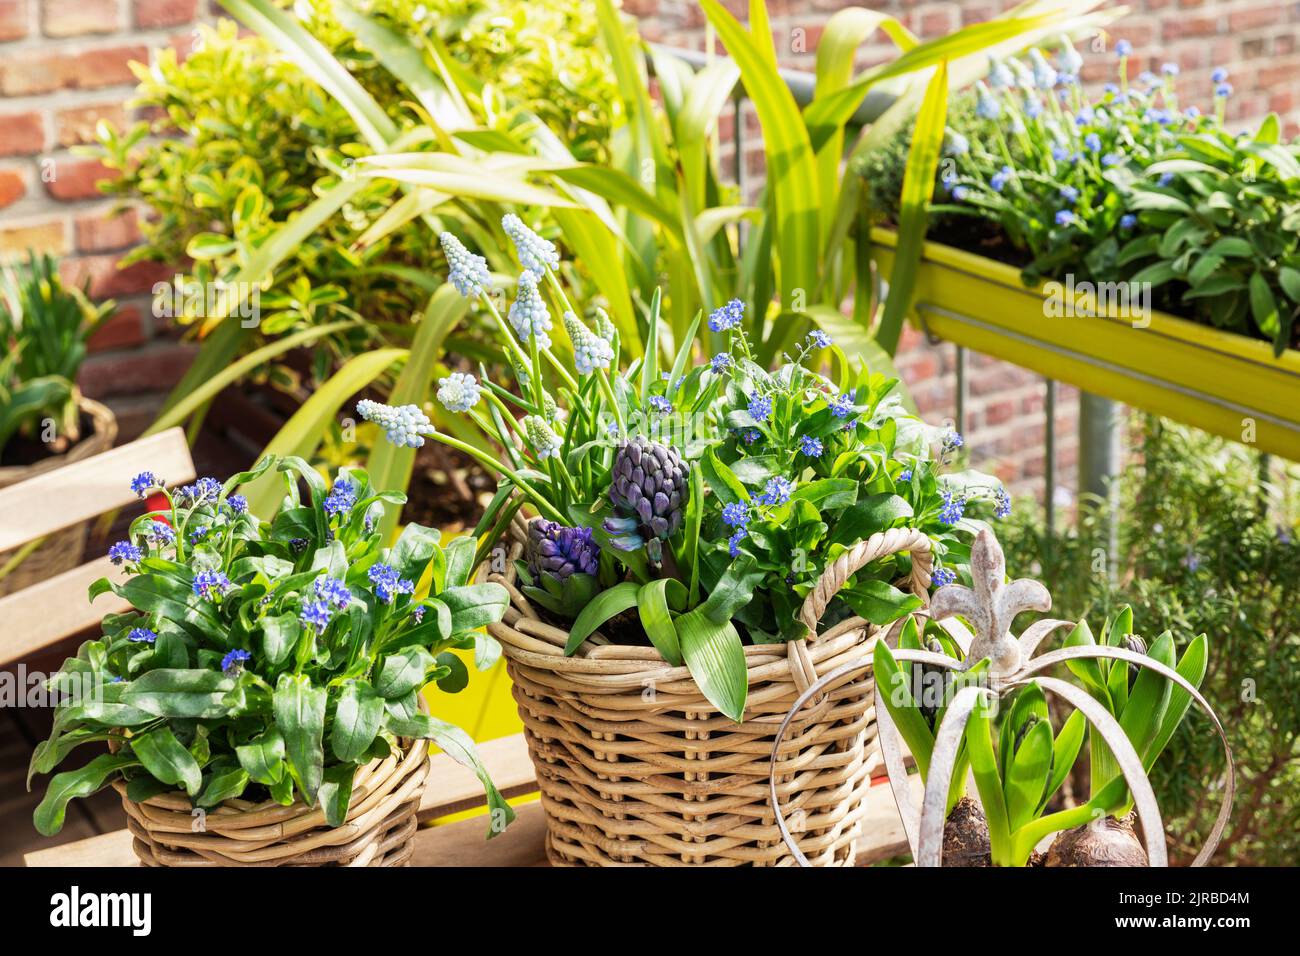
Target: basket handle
x,y
879,545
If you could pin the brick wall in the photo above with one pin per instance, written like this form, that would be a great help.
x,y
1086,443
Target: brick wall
x,y
63,67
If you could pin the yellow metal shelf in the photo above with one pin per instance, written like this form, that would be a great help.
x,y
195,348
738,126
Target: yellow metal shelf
x,y
1218,381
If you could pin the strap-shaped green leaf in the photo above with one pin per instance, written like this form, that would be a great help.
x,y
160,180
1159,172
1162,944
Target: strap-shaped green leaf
x,y
607,604
163,756
715,657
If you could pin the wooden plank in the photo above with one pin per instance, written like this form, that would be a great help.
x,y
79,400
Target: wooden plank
x,y
84,489
107,849
463,843
454,789
46,613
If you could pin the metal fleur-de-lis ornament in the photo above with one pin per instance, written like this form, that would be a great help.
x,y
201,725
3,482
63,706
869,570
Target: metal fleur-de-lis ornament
x,y
991,606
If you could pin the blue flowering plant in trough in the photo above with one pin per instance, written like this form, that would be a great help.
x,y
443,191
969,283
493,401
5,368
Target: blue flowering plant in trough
x,y
691,499
1134,185
268,659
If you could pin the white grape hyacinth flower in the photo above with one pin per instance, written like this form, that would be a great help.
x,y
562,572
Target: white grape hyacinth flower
x,y
403,425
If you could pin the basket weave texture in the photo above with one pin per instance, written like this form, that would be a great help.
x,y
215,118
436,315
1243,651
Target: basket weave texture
x,y
62,550
636,767
379,829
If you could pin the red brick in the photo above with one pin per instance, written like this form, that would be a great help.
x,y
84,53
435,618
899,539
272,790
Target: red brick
x,y
1253,18
150,14
75,126
34,72
104,233
13,19
21,134
73,18
42,237
153,370
12,187
123,329
108,281
1175,27
74,179
109,66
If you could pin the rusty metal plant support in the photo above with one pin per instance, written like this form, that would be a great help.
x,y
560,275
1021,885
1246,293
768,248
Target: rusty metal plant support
x,y
991,607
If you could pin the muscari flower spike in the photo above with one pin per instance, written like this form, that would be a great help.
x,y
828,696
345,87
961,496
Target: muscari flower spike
x,y
466,271
459,392
986,106
528,313
404,425
954,143
1071,61
999,75
1044,75
536,254
543,441
590,350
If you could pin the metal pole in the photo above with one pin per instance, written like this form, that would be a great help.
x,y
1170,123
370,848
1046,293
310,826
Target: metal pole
x,y
963,392
1049,465
1100,458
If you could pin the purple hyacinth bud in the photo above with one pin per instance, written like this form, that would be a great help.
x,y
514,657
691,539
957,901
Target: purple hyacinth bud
x,y
560,552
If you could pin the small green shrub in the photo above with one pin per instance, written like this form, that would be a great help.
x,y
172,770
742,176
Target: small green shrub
x,y
1202,551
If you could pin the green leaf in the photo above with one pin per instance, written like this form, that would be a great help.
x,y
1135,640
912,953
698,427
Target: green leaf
x,y
914,206
357,719
457,744
1028,775
879,601
653,602
898,700
791,165
279,637
263,757
716,659
1192,669
336,792
403,672
724,484
302,434
872,514
390,465
300,715
163,756
1263,306
48,816
1065,751
1149,697
224,784
180,693
311,56
475,605
608,604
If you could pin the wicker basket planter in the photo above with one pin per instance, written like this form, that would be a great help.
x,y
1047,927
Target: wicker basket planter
x,y
63,550
379,831
635,766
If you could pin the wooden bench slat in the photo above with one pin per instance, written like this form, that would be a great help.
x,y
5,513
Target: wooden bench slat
x,y
463,842
46,613
85,489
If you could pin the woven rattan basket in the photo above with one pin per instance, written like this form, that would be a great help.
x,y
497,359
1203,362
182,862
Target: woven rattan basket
x,y
64,549
379,830
635,766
